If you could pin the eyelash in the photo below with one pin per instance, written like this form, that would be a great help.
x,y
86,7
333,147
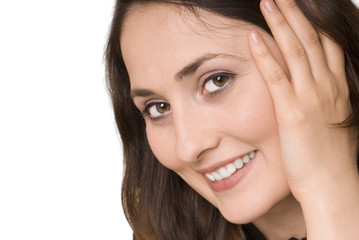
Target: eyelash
x,y
146,113
230,76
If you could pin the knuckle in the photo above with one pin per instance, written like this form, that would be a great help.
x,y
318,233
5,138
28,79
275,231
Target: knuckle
x,y
275,76
289,4
262,52
329,91
279,20
296,51
311,37
328,94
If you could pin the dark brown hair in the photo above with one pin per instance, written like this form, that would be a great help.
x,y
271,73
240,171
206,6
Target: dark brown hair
x,y
157,202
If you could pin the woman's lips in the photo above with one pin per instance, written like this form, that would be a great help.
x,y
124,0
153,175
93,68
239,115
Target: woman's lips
x,y
229,173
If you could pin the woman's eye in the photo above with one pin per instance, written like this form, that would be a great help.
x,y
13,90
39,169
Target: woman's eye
x,y
217,83
157,110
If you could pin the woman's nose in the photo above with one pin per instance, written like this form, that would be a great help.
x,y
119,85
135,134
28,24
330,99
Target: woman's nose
x,y
195,133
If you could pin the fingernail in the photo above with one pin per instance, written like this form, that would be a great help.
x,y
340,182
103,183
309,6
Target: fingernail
x,y
270,5
256,38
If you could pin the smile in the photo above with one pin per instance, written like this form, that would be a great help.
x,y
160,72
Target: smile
x,y
228,170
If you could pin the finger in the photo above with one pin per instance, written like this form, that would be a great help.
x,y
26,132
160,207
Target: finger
x,y
336,64
307,35
334,55
289,44
279,87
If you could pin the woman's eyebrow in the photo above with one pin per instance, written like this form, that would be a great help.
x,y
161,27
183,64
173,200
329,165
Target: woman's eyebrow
x,y
141,93
192,67
186,71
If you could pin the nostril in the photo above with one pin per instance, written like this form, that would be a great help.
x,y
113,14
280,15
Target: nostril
x,y
200,154
192,146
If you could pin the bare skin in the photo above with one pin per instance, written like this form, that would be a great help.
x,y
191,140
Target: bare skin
x,y
314,154
283,95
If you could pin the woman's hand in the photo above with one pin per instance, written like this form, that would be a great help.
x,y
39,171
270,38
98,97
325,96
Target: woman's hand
x,y
319,158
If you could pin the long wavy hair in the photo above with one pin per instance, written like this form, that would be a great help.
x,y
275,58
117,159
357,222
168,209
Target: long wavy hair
x,y
158,204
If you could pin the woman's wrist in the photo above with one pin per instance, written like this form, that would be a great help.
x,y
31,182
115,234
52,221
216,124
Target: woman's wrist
x,y
333,211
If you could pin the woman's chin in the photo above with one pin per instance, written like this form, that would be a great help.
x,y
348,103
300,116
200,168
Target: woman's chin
x,y
247,210
243,215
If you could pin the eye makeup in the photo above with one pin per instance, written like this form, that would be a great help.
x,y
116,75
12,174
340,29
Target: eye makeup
x,y
161,107
214,84
217,83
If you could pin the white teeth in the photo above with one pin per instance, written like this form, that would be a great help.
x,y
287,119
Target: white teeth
x,y
227,171
217,176
231,168
224,173
210,177
238,163
246,159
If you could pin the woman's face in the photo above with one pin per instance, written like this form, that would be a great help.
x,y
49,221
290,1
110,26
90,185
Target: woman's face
x,y
209,115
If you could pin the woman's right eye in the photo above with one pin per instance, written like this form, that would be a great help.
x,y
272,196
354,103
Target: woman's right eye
x,y
156,110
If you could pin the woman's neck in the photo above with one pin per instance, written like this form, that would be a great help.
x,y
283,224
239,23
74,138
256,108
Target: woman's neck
x,y
283,221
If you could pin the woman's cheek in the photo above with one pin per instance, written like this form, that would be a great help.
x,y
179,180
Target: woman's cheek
x,y
247,115
162,143
252,117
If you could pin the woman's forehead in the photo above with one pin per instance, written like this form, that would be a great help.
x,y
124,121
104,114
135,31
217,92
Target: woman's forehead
x,y
161,38
152,21
180,17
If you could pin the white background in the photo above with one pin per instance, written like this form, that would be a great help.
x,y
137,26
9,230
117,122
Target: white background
x,y
60,156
